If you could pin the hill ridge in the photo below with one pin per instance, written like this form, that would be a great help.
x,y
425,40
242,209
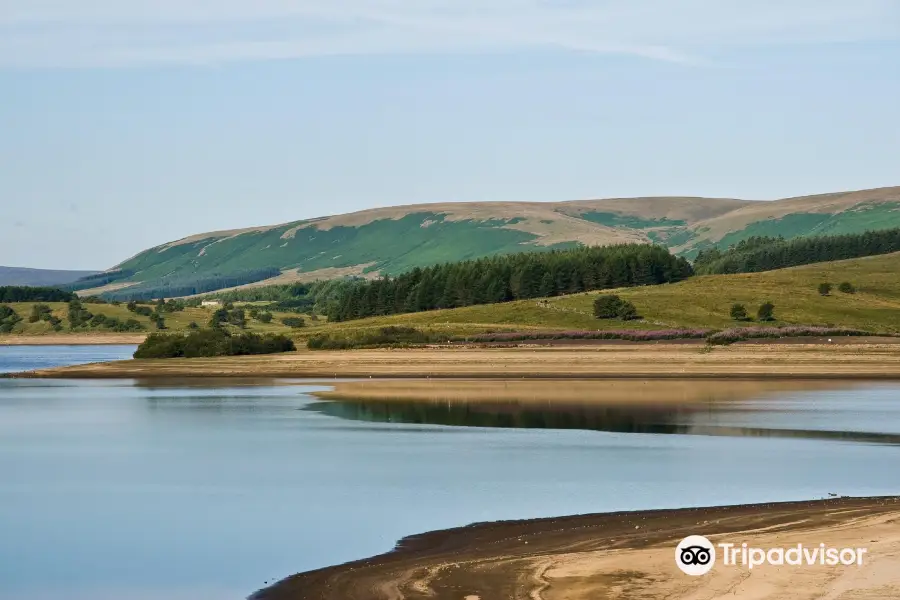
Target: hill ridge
x,y
390,240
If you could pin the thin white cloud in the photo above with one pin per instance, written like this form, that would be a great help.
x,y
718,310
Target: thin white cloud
x,y
89,33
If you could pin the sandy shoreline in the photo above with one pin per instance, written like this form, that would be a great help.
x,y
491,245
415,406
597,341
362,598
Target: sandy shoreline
x,y
623,556
73,339
651,361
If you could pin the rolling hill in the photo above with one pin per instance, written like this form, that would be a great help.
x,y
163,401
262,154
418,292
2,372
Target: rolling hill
x,y
699,302
394,239
39,277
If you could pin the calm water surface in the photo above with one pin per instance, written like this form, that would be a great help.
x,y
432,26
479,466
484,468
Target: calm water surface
x,y
123,489
27,358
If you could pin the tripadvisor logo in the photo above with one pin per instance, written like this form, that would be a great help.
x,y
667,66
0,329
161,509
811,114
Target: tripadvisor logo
x,y
696,555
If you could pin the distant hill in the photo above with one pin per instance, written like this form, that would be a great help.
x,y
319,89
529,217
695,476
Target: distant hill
x,y
394,239
22,276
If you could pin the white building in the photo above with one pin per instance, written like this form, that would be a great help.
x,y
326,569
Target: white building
x,y
210,304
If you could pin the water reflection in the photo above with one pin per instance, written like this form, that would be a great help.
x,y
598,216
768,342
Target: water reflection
x,y
734,409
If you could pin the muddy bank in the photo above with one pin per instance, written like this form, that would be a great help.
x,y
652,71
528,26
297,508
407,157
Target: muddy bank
x,y
623,555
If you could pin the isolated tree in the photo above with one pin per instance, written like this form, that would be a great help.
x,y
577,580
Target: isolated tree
x,y
264,317
627,311
824,289
293,322
847,288
39,312
739,312
766,312
236,317
607,306
8,318
78,315
218,317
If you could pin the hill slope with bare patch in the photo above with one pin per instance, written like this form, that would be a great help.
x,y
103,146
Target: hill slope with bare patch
x,y
394,239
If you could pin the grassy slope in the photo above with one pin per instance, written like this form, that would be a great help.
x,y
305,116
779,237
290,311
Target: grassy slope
x,y
395,239
697,302
177,321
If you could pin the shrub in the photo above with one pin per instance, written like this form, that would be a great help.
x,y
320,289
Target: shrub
x,y
78,315
144,311
766,312
737,334
218,317
627,311
847,288
383,336
158,320
634,335
8,318
193,325
236,317
607,306
40,312
211,342
293,322
264,317
824,289
739,312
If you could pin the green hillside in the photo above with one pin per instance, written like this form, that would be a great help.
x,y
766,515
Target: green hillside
x,y
395,239
703,302
175,321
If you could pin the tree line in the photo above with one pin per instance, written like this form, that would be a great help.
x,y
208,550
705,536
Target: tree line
x,y
757,254
509,277
20,293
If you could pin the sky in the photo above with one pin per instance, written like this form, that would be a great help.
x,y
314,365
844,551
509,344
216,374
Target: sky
x,y
124,125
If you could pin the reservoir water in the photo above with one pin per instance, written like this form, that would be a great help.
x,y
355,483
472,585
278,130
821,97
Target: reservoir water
x,y
211,490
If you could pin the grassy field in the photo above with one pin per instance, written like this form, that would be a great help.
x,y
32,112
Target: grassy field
x,y
176,321
698,302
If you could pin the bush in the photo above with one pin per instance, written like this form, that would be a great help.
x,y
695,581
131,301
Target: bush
x,y
8,319
824,289
737,334
739,312
40,312
766,312
293,322
264,317
607,306
218,317
211,342
847,288
158,320
627,311
236,317
651,335
383,336
78,315
193,325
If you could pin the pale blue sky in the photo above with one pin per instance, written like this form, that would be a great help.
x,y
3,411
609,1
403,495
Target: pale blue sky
x,y
127,124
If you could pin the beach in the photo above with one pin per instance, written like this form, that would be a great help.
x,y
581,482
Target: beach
x,y
625,555
805,360
73,339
